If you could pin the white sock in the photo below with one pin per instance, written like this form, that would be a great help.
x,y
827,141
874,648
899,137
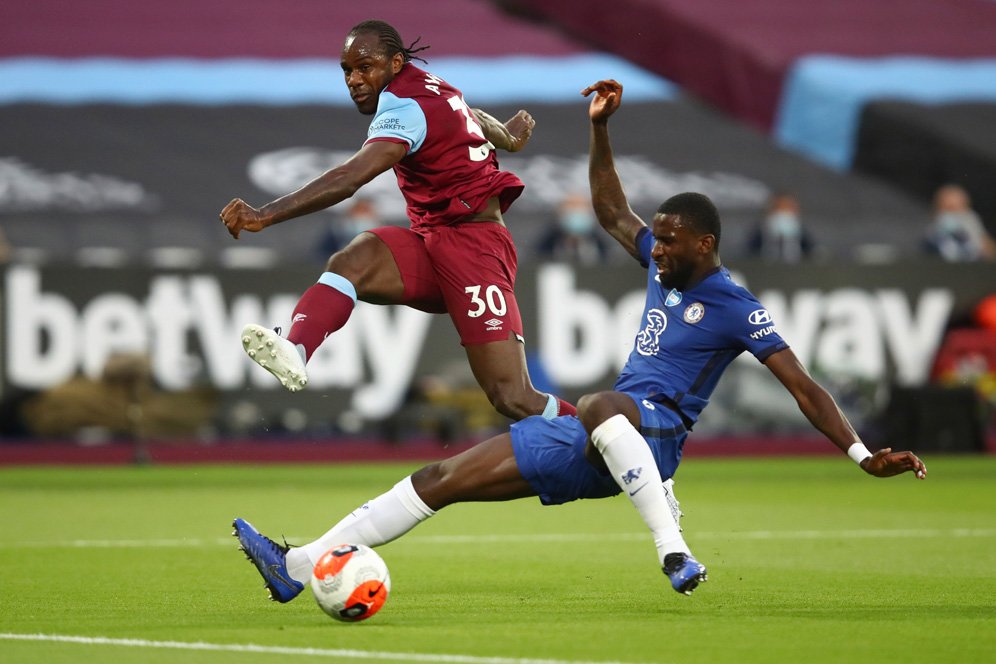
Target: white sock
x,y
632,465
386,517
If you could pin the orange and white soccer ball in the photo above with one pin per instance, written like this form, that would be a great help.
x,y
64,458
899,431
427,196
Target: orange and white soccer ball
x,y
350,582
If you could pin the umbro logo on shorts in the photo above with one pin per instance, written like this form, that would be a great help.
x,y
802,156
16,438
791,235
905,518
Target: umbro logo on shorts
x,y
494,324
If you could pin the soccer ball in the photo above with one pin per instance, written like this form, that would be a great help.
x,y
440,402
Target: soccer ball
x,y
350,582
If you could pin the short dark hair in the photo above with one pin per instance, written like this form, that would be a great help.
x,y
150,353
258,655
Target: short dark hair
x,y
389,38
697,210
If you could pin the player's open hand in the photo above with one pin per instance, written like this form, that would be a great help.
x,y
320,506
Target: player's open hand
x,y
608,96
520,128
239,216
886,463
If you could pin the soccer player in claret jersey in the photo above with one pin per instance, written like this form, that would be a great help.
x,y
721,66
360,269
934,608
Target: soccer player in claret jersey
x,y
457,256
696,320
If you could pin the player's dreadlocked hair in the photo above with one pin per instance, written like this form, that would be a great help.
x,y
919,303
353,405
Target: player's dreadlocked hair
x,y
389,39
697,210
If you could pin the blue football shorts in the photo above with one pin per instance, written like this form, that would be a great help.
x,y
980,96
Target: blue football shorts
x,y
550,453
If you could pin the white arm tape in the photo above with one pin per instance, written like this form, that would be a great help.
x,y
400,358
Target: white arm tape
x,y
858,452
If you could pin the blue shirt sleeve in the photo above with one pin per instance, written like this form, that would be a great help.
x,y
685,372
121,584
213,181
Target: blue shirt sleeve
x,y
398,119
753,327
644,245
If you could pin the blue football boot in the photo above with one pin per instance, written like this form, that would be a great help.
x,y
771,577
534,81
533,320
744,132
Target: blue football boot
x,y
270,559
685,572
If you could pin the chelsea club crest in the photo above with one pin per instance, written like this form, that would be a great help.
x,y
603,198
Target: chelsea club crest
x,y
694,312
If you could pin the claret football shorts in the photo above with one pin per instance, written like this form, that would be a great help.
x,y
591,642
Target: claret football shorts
x,y
466,270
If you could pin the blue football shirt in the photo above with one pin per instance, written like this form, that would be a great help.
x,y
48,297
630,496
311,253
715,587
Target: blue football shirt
x,y
687,339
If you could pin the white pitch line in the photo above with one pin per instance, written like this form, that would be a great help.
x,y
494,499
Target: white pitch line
x,y
868,533
730,535
119,543
287,650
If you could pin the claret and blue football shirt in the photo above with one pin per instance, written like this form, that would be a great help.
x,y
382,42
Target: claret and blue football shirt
x,y
450,170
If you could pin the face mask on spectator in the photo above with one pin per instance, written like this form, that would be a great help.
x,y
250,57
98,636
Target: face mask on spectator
x,y
578,222
953,222
785,224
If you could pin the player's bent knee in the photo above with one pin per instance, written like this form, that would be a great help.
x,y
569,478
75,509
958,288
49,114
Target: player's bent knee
x,y
584,403
345,265
366,253
589,411
593,409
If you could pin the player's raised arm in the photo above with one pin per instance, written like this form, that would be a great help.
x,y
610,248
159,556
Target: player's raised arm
x,y
329,188
510,136
822,411
607,195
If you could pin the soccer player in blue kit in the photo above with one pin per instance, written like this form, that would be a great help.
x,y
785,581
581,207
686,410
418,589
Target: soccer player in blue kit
x,y
696,320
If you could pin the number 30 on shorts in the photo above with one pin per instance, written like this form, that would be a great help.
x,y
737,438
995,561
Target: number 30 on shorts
x,y
493,300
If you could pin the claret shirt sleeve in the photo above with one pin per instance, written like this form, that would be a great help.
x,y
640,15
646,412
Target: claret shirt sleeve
x,y
398,120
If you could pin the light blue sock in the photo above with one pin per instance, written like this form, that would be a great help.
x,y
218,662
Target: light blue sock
x,y
338,282
552,407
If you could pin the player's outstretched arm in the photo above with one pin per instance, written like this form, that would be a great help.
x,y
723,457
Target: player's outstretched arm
x,y
607,195
822,411
510,136
329,188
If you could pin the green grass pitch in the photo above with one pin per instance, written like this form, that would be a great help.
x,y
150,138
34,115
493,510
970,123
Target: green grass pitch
x,y
809,561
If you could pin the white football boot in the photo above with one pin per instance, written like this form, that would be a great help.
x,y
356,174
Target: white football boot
x,y
277,355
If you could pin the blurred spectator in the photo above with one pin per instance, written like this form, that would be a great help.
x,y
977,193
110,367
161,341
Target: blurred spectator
x,y
956,232
574,235
360,216
780,236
